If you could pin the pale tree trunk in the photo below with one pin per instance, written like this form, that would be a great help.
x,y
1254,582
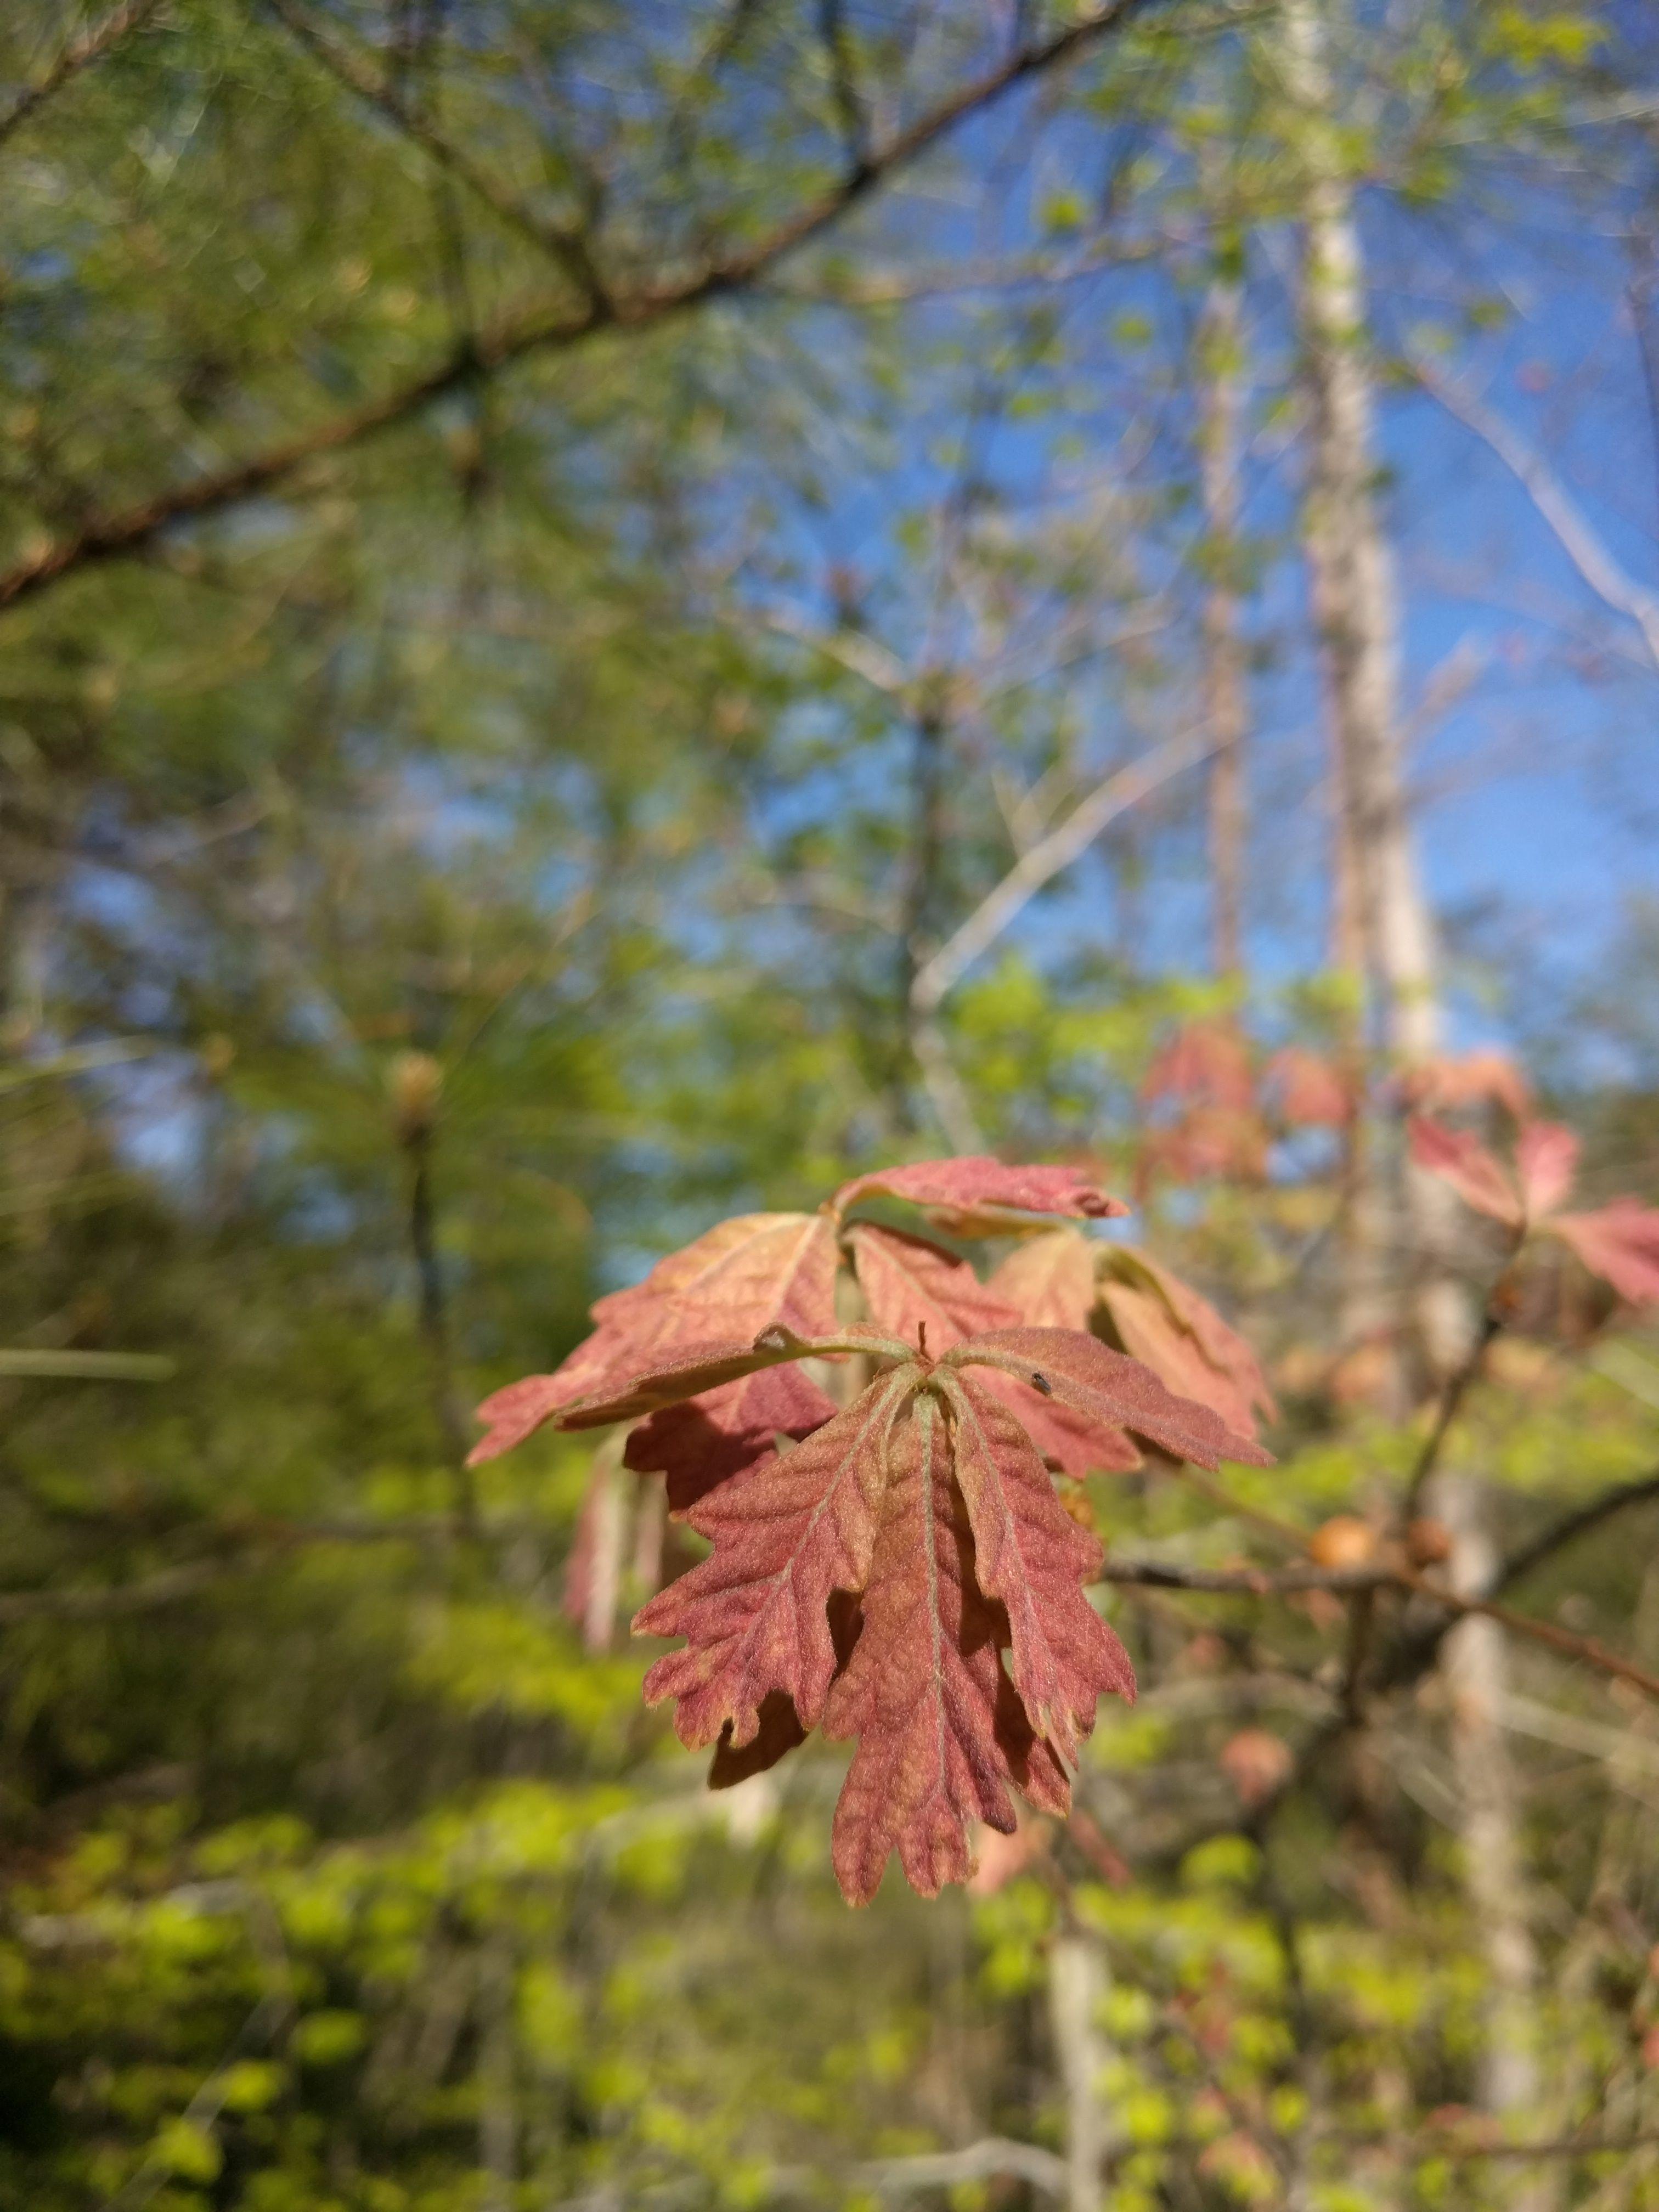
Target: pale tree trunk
x,y
1476,1667
1388,924
1077,1985
1220,359
1352,578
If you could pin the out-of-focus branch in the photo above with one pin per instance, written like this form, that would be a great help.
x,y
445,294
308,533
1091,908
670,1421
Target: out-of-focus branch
x,y
1576,535
568,246
545,326
94,42
1124,788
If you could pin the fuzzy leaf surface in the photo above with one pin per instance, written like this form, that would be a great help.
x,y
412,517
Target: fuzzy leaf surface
x,y
1049,1280
910,1286
960,1193
1164,1322
757,1271
1032,1558
1109,1388
921,1689
787,1534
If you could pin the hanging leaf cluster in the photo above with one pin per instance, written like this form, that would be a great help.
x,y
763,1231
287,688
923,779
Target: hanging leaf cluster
x,y
898,1570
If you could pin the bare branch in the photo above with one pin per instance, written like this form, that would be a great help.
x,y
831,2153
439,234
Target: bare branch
x,y
1572,1526
553,326
1574,532
91,46
1124,788
114,1601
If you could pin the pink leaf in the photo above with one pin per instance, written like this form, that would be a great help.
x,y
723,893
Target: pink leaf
x,y
1463,1161
1619,1242
960,1191
1033,1558
1546,1160
1105,1386
786,1533
910,1286
699,1443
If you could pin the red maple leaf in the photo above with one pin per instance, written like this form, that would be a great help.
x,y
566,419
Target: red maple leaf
x,y
755,1272
1206,1064
1062,1280
1311,1091
904,1574
1620,1241
974,1196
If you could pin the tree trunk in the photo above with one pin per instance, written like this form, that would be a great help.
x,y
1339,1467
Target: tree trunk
x,y
1353,586
1476,1668
1220,347
1076,1983
1402,1233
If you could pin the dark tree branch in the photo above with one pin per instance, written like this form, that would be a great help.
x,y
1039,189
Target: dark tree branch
x,y
91,46
843,82
547,326
568,246
1571,1527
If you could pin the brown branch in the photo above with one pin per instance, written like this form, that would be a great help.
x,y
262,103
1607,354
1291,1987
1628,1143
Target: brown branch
x,y
1458,1386
1240,1582
1572,1526
546,327
113,1601
91,46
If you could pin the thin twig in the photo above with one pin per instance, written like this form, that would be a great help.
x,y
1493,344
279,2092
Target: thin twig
x,y
1581,544
1457,1388
1124,788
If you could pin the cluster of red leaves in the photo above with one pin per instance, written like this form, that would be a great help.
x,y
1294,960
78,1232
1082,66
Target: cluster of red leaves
x,y
1620,1241
870,1577
1219,1112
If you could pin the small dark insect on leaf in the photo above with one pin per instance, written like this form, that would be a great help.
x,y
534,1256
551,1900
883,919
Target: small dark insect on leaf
x,y
1042,1382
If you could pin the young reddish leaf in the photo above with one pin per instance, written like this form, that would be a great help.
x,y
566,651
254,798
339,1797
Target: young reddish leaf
x,y
1049,1280
1163,1323
1471,1078
1206,1062
685,1373
920,1691
757,1271
752,1273
696,1444
1546,1161
910,1286
781,1730
1312,1092
785,1534
1076,1444
1031,1556
1618,1242
518,1411
1209,1140
1463,1161
1105,1386
959,1192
